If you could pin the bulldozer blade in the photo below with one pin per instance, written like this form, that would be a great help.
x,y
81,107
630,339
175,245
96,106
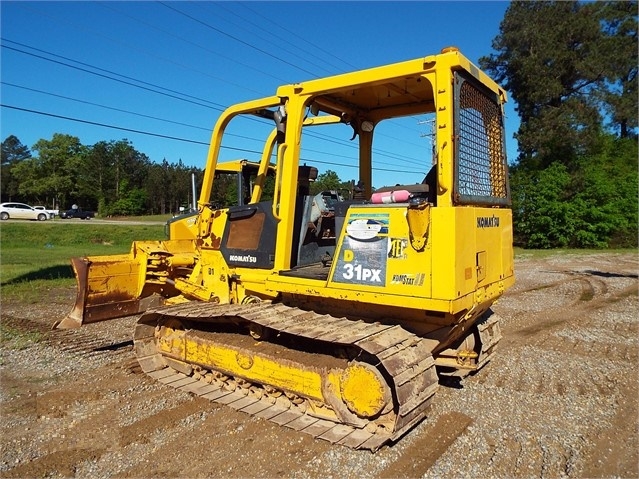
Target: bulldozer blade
x,y
107,288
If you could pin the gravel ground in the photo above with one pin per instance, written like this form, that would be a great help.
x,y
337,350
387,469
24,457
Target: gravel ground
x,y
559,400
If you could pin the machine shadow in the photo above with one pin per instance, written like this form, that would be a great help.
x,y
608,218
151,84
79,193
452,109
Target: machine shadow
x,y
52,272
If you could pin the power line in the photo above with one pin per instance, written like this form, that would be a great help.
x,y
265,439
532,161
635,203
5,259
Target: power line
x,y
282,46
53,115
216,106
288,41
316,135
109,6
320,137
377,151
135,47
264,52
79,120
129,112
280,27
283,28
104,106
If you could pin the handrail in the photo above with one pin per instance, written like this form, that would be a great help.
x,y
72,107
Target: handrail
x,y
264,165
278,177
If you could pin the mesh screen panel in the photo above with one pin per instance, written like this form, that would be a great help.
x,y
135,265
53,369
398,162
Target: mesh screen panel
x,y
481,169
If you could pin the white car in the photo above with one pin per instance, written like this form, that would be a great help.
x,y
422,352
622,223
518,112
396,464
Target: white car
x,y
22,212
52,213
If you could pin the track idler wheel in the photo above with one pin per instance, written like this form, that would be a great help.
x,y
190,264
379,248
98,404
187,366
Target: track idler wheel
x,y
364,390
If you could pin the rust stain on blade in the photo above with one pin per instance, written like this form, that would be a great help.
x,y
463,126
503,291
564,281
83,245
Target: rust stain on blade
x,y
93,306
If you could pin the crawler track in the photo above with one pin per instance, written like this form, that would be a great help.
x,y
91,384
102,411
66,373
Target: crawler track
x,y
403,358
489,335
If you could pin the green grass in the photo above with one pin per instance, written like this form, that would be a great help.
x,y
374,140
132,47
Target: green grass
x,y
521,253
35,257
149,218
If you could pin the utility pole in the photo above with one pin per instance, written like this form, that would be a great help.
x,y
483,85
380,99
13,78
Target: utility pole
x,y
430,136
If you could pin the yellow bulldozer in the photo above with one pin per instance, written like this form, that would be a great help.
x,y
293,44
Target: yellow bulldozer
x,y
332,314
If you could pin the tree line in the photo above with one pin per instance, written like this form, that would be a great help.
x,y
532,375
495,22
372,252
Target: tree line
x,y
571,70
112,178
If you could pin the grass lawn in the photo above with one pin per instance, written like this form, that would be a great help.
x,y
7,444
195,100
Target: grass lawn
x,y
149,218
521,253
35,256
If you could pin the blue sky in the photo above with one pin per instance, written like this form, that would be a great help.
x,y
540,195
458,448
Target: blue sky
x,y
169,68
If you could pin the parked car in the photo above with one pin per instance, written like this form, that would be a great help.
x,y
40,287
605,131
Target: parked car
x,y
77,213
21,211
52,213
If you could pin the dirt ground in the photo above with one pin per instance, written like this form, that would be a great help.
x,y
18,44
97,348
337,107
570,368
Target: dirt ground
x,y
559,400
